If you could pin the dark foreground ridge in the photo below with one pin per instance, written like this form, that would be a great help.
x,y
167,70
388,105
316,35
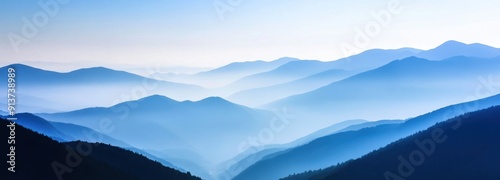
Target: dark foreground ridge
x,y
39,157
462,148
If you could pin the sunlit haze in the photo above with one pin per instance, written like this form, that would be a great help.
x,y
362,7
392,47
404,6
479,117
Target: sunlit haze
x,y
201,33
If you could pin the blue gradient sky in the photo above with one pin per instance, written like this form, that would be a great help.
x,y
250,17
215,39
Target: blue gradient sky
x,y
190,32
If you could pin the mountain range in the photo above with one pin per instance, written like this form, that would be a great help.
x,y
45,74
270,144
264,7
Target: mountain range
x,y
455,48
66,132
225,123
344,145
460,148
260,96
298,77
295,70
400,89
161,124
256,154
37,94
219,77
39,157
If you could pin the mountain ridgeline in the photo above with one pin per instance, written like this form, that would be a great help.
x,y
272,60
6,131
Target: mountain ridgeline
x,y
413,85
462,148
343,146
182,133
263,119
39,157
72,88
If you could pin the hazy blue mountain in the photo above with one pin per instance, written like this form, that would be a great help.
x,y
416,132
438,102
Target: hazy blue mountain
x,y
86,134
160,123
400,89
253,155
373,58
41,126
325,131
288,72
461,148
455,48
349,125
65,132
356,127
224,75
237,164
185,159
229,169
68,91
29,103
237,70
36,155
340,147
250,86
34,76
260,96
295,70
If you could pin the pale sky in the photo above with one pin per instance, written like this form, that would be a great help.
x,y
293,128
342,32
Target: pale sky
x,y
192,33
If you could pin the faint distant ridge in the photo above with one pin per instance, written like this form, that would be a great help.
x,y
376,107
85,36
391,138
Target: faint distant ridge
x,y
248,66
401,75
154,100
35,76
224,75
374,58
186,125
159,102
64,91
455,48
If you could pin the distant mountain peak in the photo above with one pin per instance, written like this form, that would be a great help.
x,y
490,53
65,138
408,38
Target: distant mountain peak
x,y
411,59
214,99
94,69
287,59
455,48
452,43
156,99
19,65
24,67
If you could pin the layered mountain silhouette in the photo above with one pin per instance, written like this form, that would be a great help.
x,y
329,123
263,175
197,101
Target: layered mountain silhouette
x,y
285,73
39,86
400,89
349,125
373,58
464,147
295,70
224,75
185,123
454,48
39,157
255,154
259,96
340,147
162,124
367,60
42,126
66,132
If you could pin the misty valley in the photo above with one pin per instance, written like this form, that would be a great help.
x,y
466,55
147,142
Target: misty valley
x,y
390,114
